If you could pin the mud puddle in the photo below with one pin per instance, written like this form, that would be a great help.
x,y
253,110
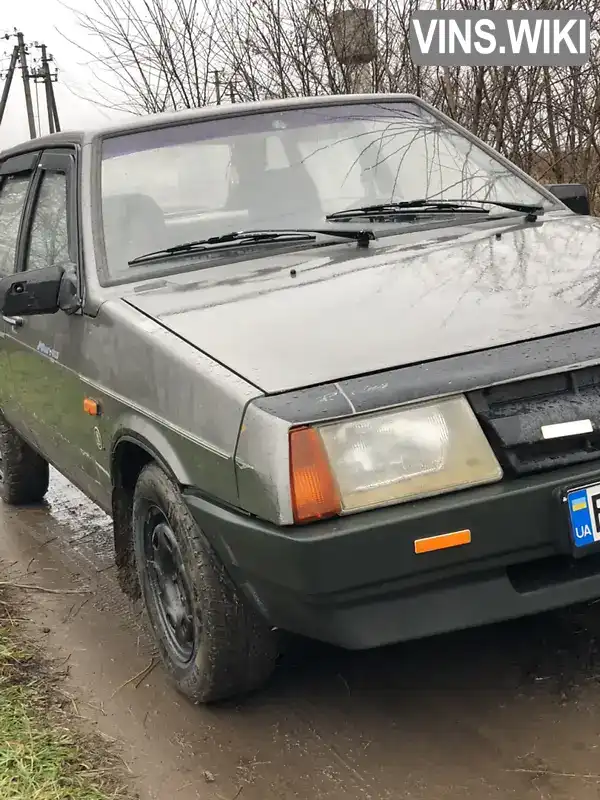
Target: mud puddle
x,y
507,711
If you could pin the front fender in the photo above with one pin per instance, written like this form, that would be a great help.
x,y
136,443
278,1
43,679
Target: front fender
x,y
187,459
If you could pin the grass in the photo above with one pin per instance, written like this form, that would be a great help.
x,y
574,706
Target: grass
x,y
44,752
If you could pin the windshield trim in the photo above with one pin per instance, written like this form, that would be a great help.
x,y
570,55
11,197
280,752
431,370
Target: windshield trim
x,y
267,107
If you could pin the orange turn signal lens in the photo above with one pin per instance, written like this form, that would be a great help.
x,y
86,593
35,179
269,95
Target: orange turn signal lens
x,y
315,494
91,407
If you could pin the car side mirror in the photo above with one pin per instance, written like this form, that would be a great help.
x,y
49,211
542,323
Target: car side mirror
x,y
69,299
573,195
34,292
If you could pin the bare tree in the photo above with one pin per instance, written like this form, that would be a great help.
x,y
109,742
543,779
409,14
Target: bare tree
x,y
155,55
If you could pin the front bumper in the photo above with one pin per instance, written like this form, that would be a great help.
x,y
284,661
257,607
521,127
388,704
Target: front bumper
x,y
357,582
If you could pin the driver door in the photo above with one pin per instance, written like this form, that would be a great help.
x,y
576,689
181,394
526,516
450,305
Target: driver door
x,y
40,346
15,180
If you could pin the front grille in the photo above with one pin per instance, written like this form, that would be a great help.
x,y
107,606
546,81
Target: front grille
x,y
512,415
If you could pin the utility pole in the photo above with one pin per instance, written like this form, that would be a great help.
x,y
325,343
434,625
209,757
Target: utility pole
x,y
8,80
39,74
231,90
26,87
223,87
217,75
43,74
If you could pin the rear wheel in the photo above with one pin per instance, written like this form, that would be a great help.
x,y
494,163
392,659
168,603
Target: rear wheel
x,y
212,642
24,475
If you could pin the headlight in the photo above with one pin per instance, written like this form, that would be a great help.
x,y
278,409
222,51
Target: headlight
x,y
395,456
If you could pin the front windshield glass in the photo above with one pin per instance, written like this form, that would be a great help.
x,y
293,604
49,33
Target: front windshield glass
x,y
284,169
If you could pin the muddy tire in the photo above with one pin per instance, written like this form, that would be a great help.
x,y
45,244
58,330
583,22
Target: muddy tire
x,y
212,642
24,474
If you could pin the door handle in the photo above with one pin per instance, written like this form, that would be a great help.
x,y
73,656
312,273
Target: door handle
x,y
14,322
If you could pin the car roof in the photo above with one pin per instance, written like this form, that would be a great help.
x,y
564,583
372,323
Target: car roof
x,y
145,121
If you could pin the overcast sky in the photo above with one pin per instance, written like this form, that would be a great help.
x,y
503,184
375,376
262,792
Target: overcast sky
x,y
41,21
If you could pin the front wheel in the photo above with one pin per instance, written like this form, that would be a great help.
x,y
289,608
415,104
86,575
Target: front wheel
x,y
213,644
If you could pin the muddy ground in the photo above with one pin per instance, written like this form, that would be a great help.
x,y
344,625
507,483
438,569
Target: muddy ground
x,y
509,711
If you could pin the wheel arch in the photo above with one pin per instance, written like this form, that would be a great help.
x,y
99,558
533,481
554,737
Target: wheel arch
x,y
136,443
147,436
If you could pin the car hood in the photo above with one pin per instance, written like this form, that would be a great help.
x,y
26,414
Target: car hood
x,y
290,320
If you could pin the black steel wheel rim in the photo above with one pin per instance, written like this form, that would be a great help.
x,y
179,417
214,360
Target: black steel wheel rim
x,y
169,586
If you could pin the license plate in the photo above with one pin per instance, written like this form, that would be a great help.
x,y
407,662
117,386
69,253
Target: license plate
x,y
584,513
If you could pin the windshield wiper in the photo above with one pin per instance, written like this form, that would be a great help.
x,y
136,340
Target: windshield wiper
x,y
362,237
408,209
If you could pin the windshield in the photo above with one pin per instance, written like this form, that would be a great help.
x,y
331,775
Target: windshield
x,y
284,169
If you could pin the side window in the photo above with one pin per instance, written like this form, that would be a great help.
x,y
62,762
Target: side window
x,y
13,193
48,237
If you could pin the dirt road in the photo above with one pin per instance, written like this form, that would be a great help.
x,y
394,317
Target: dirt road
x,y
509,711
